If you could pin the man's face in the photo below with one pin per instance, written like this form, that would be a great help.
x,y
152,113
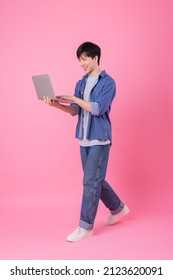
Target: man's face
x,y
88,63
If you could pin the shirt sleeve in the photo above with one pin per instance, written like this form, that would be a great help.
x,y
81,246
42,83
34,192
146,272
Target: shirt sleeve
x,y
74,105
105,96
77,109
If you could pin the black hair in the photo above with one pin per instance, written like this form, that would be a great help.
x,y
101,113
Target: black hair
x,y
89,49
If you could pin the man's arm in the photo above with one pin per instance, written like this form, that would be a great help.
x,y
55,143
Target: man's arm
x,y
65,108
82,103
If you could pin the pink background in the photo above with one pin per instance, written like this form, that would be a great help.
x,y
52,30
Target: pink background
x,y
40,170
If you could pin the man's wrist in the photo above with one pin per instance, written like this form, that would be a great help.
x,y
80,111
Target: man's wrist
x,y
57,104
75,99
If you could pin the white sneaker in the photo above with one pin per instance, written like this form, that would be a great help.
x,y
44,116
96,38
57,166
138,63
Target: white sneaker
x,y
112,219
79,234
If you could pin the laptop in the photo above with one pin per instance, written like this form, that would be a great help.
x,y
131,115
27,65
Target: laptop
x,y
43,87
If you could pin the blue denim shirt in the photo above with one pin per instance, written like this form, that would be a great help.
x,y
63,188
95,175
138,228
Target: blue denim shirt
x,y
101,97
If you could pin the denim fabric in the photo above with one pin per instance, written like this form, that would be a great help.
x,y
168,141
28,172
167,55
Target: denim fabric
x,y
94,162
101,97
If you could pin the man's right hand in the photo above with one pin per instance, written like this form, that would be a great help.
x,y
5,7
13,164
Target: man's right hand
x,y
50,101
54,103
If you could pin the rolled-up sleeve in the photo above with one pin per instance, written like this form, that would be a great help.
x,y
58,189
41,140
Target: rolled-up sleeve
x,y
77,94
77,109
103,98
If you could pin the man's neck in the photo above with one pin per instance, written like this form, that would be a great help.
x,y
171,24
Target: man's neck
x,y
95,72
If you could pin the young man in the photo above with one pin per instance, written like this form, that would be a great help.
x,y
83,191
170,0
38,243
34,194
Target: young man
x,y
92,101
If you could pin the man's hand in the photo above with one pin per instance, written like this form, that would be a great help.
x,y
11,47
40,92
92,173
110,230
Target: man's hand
x,y
54,103
73,99
70,98
50,101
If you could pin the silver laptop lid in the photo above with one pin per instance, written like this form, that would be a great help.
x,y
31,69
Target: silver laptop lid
x,y
43,86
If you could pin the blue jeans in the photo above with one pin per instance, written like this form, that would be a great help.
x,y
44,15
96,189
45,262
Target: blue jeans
x,y
94,162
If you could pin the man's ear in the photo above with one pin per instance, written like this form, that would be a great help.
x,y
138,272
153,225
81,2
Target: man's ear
x,y
96,58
